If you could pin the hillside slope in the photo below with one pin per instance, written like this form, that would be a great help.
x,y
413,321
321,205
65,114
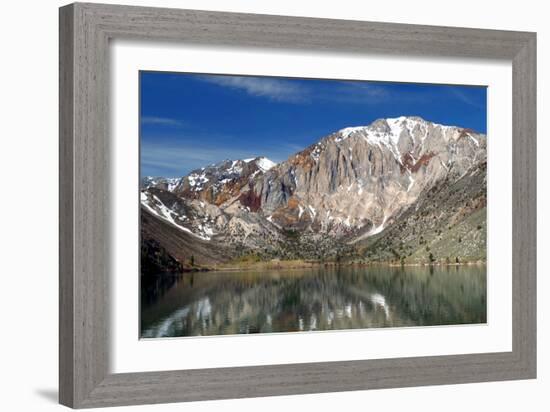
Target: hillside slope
x,y
179,244
446,224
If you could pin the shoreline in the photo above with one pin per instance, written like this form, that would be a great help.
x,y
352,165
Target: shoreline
x,y
313,265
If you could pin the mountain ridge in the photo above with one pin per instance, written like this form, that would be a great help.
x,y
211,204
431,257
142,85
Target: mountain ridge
x,y
348,187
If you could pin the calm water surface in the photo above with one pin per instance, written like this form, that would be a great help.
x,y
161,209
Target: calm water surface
x,y
221,303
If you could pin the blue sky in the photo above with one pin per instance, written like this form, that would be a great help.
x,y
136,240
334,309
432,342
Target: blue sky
x,y
191,120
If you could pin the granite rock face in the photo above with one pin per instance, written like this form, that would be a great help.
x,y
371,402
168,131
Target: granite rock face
x,y
362,177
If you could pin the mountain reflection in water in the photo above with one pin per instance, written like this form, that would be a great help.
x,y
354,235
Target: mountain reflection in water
x,y
348,297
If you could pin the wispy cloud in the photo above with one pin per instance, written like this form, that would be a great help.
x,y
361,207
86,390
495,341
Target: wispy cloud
x,y
356,93
290,91
161,121
337,91
274,89
465,98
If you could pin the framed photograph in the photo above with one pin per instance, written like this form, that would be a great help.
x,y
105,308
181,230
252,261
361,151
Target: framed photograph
x,y
256,205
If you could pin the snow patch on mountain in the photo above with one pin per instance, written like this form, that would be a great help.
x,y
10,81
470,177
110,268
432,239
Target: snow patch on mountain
x,y
313,213
154,205
411,182
476,142
265,164
197,181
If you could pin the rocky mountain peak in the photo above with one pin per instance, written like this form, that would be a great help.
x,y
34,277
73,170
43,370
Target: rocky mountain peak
x,y
216,183
165,183
359,177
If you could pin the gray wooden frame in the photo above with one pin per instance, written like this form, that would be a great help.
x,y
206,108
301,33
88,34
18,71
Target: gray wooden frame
x,y
85,31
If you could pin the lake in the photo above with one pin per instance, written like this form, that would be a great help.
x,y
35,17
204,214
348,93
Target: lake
x,y
324,298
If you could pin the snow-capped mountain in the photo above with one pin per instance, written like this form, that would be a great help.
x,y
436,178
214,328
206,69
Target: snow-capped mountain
x,y
165,183
361,177
349,186
218,182
194,202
